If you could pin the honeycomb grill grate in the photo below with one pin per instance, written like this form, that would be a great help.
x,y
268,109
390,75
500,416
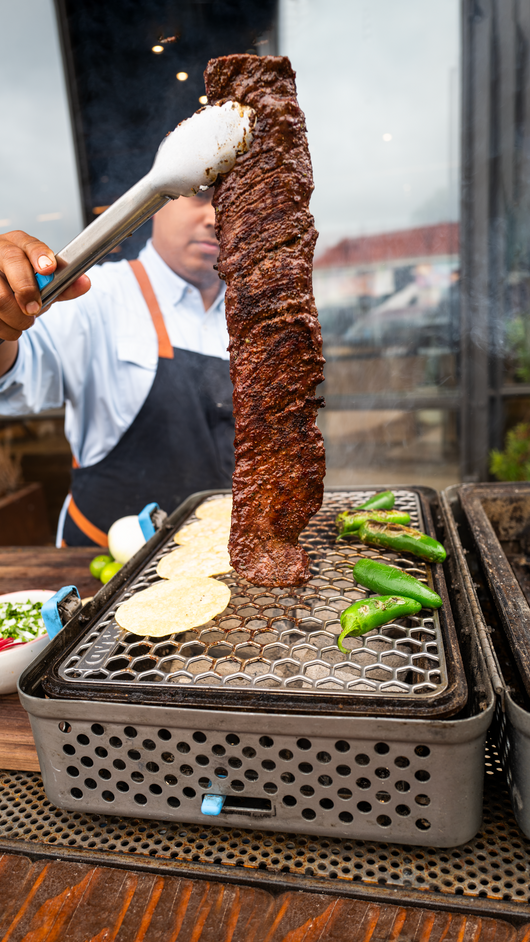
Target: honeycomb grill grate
x,y
280,639
495,865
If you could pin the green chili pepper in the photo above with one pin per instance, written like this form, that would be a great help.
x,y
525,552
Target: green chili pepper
x,y
379,577
348,522
403,540
366,614
383,501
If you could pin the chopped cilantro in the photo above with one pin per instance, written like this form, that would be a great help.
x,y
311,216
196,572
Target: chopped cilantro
x,y
21,620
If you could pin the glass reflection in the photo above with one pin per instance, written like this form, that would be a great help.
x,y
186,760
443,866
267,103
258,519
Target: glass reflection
x,y
379,85
39,190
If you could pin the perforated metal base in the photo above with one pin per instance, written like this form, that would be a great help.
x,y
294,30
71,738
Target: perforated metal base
x,y
493,870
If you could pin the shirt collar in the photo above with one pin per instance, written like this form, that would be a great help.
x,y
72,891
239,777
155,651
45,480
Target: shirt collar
x,y
168,283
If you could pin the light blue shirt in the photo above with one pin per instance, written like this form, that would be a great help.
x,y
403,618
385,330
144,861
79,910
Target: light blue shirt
x,y
99,353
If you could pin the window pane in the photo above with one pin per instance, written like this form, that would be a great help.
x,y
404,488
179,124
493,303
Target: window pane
x,y
379,84
39,189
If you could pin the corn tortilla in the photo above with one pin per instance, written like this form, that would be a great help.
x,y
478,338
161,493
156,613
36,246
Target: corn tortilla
x,y
218,509
195,560
204,532
172,607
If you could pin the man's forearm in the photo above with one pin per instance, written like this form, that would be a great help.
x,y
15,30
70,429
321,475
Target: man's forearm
x,y
8,355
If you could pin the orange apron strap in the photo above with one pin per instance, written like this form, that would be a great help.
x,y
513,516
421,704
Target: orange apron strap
x,y
165,350
94,533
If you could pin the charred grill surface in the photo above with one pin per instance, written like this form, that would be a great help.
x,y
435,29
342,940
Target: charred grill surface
x,y
267,238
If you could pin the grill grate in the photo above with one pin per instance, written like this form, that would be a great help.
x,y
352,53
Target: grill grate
x,y
495,865
279,639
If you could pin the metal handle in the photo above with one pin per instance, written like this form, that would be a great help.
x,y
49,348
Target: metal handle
x,y
120,220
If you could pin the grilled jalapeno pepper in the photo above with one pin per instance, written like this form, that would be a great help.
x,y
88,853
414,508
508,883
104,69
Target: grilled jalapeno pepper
x,y
349,521
403,540
381,578
366,614
383,501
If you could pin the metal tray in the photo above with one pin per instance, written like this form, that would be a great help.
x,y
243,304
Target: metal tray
x,y
510,729
276,649
499,519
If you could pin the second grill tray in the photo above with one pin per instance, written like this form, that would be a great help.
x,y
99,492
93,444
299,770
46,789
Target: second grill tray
x,y
275,650
499,518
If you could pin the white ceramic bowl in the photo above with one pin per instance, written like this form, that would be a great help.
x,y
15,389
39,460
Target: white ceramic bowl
x,y
15,659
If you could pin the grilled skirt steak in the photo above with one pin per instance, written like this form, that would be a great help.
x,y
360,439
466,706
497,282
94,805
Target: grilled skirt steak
x,y
267,238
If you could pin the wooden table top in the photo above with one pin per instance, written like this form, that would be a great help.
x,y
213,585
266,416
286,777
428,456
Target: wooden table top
x,y
45,567
36,567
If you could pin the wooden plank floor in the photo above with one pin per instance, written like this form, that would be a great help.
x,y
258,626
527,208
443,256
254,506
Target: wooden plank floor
x,y
35,567
55,901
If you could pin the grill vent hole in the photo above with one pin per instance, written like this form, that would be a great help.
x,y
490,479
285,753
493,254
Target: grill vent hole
x,y
422,751
402,762
304,744
381,748
403,810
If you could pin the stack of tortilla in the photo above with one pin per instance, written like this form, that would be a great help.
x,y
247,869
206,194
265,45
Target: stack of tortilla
x,y
190,597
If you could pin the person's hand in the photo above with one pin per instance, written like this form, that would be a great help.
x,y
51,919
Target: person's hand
x,y
20,256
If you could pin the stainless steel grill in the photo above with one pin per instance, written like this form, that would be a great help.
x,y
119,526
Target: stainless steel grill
x,y
320,758
280,639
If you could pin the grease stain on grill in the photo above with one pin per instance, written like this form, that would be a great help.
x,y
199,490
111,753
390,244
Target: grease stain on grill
x,y
280,639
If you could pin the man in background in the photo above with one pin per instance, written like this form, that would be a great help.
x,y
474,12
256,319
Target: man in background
x,y
140,361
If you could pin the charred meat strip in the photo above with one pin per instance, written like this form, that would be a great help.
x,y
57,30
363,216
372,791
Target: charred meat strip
x,y
267,238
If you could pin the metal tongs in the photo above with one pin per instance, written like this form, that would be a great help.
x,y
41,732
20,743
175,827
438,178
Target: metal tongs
x,y
188,159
